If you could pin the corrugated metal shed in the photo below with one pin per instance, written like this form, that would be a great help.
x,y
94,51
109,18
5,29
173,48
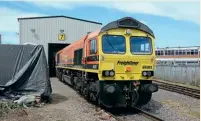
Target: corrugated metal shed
x,y
44,30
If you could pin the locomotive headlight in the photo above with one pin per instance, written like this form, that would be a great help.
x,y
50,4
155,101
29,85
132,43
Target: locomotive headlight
x,y
144,73
107,73
149,73
111,73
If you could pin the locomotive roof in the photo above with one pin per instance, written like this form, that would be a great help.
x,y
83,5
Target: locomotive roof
x,y
127,22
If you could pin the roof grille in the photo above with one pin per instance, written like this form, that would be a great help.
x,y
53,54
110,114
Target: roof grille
x,y
128,23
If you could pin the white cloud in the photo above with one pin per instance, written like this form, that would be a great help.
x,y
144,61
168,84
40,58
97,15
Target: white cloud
x,y
8,20
176,10
9,24
53,4
183,10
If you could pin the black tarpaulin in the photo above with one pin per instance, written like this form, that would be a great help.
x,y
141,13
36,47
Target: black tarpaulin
x,y
24,70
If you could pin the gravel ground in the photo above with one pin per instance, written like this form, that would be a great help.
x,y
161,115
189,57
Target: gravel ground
x,y
169,106
66,105
172,106
133,117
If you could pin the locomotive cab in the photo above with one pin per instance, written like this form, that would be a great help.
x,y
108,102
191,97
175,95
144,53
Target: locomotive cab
x,y
127,57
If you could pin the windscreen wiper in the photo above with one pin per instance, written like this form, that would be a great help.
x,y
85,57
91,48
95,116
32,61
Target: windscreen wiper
x,y
111,45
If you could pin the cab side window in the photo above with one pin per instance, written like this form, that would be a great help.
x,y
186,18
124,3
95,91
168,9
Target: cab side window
x,y
93,47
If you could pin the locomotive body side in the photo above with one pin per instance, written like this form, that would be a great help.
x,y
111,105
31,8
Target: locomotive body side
x,y
81,49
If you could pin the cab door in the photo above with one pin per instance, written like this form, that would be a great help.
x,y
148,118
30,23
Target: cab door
x,y
92,58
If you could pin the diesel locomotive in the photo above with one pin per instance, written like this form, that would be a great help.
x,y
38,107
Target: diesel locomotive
x,y
113,66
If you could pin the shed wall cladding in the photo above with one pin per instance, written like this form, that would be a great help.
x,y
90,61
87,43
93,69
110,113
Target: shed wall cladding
x,y
47,30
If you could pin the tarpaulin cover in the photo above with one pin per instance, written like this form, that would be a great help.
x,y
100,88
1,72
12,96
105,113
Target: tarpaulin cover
x,y
24,70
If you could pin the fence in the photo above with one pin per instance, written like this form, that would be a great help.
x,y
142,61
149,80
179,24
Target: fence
x,y
186,74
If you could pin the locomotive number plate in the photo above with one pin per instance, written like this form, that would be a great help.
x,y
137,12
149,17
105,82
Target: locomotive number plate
x,y
146,67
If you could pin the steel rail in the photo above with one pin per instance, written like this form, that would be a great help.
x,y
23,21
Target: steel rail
x,y
148,115
179,89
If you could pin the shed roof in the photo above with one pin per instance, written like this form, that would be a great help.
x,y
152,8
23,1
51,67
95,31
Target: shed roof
x,y
42,17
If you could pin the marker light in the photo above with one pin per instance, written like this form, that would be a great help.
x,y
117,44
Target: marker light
x,y
128,31
128,68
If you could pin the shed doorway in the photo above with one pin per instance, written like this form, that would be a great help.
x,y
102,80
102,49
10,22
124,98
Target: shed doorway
x,y
53,48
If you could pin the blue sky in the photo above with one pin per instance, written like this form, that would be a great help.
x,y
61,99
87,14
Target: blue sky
x,y
173,23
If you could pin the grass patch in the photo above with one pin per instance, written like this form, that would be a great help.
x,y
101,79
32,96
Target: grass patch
x,y
8,106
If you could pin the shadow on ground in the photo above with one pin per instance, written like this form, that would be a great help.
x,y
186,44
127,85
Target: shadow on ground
x,y
57,98
152,106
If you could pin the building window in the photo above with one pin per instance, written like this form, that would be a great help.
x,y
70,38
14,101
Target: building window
x,y
173,52
184,52
93,47
192,52
156,52
196,52
170,52
188,52
177,53
166,52
180,52
161,52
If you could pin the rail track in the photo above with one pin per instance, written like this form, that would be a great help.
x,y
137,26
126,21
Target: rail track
x,y
135,111
121,114
148,115
178,89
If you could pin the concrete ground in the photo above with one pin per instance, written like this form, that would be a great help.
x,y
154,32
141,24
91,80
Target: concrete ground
x,y
66,105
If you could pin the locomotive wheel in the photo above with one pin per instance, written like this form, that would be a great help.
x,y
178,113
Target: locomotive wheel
x,y
62,78
99,102
144,98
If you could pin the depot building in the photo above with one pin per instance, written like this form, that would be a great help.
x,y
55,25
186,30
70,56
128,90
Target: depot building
x,y
54,33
